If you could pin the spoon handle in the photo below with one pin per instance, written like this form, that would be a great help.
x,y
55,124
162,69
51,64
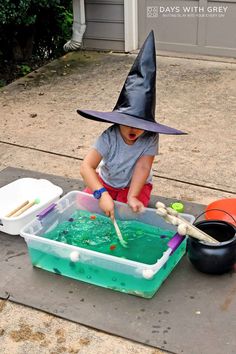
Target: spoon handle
x,y
119,234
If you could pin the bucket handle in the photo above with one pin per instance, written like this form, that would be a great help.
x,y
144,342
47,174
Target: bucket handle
x,y
206,211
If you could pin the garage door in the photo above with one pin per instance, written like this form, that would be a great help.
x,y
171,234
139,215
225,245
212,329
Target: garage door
x,y
190,26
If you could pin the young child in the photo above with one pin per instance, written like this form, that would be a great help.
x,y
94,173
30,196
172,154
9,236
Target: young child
x,y
126,150
127,155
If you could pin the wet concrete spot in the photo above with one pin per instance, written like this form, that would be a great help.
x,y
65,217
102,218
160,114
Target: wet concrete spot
x,y
59,350
25,333
2,305
228,300
84,341
44,343
60,340
16,255
60,332
10,252
47,324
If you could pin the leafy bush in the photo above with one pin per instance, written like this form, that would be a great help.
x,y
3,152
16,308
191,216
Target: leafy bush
x,y
34,28
25,69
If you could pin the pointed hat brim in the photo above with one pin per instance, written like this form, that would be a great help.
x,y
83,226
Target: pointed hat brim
x,y
130,121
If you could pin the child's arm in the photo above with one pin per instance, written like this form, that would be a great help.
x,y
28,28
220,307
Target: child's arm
x,y
140,175
90,177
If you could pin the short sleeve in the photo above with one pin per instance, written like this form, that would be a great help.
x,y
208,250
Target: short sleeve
x,y
102,144
152,145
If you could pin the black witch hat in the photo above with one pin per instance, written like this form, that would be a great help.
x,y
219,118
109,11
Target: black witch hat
x,y
137,101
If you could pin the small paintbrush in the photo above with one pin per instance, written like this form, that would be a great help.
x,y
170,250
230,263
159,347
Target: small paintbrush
x,y
119,234
17,209
26,207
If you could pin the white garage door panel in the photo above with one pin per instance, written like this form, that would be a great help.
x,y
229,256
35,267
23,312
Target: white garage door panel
x,y
221,32
191,26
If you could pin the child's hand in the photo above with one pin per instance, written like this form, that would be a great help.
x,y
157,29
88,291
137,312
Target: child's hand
x,y
135,204
106,203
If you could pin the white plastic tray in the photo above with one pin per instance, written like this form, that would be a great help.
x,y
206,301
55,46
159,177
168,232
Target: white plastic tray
x,y
17,192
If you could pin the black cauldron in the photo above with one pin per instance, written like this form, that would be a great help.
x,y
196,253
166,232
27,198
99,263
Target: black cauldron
x,y
214,259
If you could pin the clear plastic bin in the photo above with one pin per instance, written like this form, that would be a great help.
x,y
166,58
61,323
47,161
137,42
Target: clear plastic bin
x,y
90,266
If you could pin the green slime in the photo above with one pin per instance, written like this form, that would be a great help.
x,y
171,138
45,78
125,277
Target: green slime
x,y
146,243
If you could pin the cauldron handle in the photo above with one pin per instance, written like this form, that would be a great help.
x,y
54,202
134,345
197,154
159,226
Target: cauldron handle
x,y
206,211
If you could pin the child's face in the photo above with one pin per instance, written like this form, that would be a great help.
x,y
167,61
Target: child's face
x,y
129,134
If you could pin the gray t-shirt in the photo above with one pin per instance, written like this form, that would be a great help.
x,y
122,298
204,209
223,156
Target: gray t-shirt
x,y
119,159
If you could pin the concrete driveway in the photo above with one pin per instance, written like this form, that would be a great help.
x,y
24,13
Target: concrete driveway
x,y
41,131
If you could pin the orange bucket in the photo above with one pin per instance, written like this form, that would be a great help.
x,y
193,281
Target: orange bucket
x,y
223,209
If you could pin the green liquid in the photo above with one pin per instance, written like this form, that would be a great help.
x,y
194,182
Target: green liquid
x,y
146,244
